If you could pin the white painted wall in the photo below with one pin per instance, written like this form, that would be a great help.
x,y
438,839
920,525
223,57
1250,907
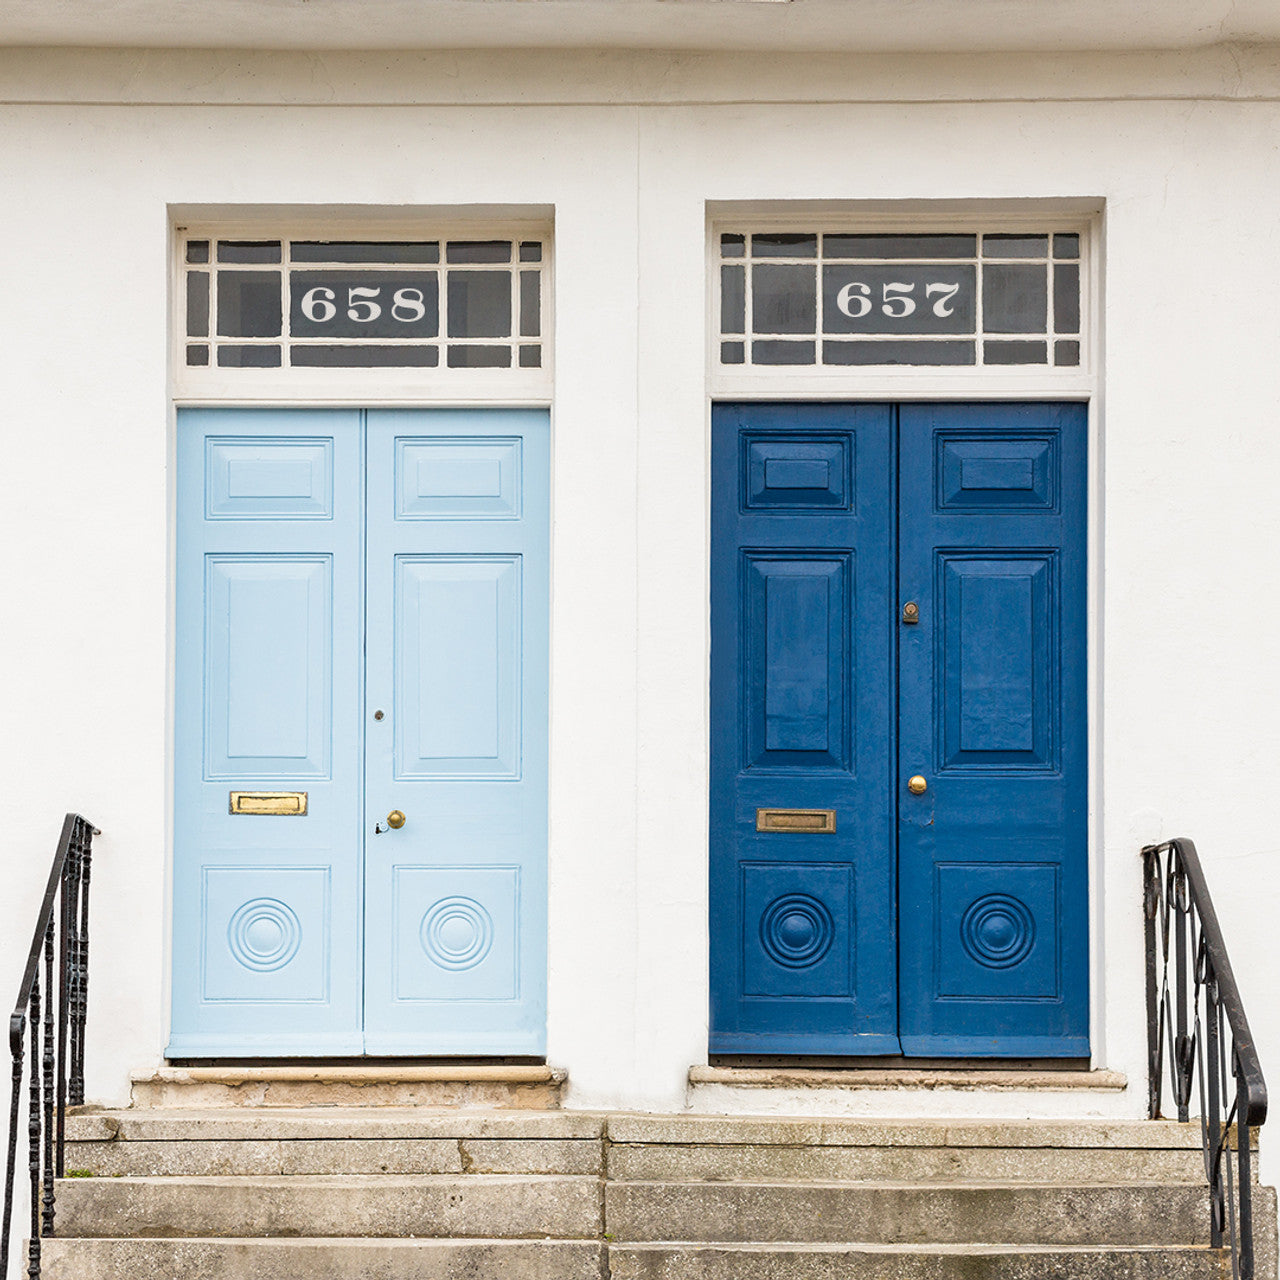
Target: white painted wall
x,y
1184,160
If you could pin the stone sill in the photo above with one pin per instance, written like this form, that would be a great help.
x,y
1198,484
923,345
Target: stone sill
x,y
855,1078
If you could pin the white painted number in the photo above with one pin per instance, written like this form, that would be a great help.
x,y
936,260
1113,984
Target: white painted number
x,y
895,297
409,305
362,308
317,305
854,300
943,305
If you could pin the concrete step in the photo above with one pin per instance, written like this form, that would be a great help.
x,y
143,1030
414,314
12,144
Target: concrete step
x,y
499,1206
879,1213
526,1087
329,1259
165,1141
910,1262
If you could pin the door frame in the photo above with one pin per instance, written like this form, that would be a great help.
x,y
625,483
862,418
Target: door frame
x,y
939,386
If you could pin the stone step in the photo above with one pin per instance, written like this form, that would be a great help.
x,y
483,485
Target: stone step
x,y
498,1206
910,1262
520,1086
327,1259
879,1213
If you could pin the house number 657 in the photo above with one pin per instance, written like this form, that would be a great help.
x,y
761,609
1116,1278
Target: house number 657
x,y
896,301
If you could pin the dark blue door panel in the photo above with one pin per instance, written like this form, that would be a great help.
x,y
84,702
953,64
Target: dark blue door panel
x,y
802,922
951,923
992,865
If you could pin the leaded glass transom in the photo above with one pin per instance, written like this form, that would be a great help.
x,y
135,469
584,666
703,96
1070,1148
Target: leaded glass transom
x,y
851,299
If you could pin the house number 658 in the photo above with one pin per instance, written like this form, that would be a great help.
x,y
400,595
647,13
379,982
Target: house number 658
x,y
319,305
855,299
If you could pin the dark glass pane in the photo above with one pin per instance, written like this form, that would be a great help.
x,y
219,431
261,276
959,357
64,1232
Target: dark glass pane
x,y
777,245
478,251
1066,297
888,246
197,251
733,246
249,304
479,357
733,299
784,299
1015,353
1066,246
479,304
197,304
531,357
197,354
364,357
1066,354
898,300
347,303
530,250
925,352
365,251
1015,299
248,357
1015,246
530,304
782,352
248,250
733,352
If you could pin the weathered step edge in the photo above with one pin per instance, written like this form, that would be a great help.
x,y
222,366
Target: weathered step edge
x,y
909,1078
520,1087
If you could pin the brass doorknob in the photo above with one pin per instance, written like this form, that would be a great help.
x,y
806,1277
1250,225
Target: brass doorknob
x,y
395,819
915,784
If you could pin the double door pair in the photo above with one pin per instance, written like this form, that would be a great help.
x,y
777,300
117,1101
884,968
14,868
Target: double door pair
x,y
361,755
899,771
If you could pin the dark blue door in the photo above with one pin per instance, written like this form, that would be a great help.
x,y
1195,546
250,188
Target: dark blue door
x,y
802,773
898,772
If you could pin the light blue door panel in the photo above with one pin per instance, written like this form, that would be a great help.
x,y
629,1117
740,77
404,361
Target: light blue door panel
x,y
267,908
305,537
458,664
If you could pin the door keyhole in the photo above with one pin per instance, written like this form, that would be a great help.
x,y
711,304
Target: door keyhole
x,y
378,715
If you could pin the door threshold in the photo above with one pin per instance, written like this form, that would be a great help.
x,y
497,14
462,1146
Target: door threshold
x,y
362,1083
989,1077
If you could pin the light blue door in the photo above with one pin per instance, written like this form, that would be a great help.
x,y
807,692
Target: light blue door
x,y
361,627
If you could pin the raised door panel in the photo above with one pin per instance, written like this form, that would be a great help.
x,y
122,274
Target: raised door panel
x,y
267,905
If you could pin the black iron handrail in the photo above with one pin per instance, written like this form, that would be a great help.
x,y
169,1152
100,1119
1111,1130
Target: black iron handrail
x,y
57,1064
1199,1017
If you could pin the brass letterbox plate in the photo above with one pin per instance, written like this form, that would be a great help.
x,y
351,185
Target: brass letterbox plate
x,y
809,821
292,804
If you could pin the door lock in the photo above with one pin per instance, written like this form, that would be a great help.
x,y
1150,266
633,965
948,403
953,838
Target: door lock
x,y
910,613
395,820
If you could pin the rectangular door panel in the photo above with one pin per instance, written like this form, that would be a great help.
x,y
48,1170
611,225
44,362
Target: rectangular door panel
x,y
267,906
458,599
802,904
992,858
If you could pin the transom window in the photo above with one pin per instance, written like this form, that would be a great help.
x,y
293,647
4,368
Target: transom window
x,y
451,303
840,299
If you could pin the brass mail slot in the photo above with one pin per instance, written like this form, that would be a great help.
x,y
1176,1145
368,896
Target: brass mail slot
x,y
291,804
811,821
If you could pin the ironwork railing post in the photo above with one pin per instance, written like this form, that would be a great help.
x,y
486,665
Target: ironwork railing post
x,y
1150,911
33,1135
1244,1139
17,1037
1213,1121
1182,1044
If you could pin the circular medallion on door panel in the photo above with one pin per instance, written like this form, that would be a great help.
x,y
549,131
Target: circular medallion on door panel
x,y
998,930
796,930
457,933
264,934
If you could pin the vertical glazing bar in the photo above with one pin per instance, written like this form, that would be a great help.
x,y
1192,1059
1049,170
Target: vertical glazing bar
x,y
46,1072
33,1134
1150,903
1212,1064
11,1160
